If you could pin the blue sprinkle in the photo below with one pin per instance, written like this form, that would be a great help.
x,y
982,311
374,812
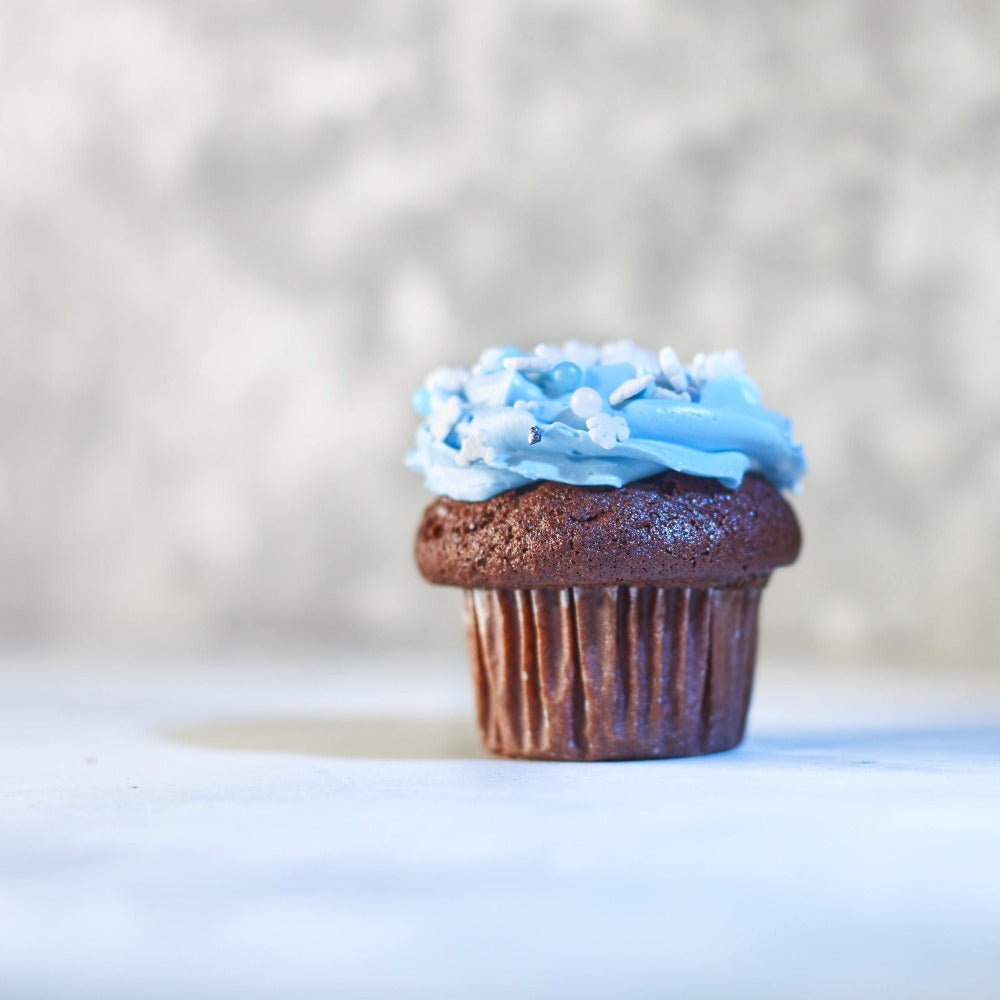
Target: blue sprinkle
x,y
566,376
422,402
534,435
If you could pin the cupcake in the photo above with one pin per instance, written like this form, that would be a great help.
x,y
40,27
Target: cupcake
x,y
612,517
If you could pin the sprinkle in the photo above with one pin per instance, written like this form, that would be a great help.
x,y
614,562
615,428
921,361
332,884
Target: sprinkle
x,y
550,353
580,354
534,435
673,370
422,402
491,360
677,397
446,379
446,418
585,402
607,430
725,364
474,447
525,404
566,377
720,364
625,351
629,388
527,363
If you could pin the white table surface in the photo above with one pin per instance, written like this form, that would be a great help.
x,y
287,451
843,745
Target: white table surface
x,y
278,826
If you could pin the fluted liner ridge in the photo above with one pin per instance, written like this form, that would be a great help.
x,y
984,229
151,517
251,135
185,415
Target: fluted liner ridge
x,y
612,673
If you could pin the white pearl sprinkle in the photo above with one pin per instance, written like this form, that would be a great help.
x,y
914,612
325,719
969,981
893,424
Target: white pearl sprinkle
x,y
585,402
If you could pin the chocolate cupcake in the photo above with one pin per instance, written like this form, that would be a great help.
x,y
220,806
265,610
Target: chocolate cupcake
x,y
612,518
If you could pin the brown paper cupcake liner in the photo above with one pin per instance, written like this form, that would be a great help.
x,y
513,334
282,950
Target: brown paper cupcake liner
x,y
615,673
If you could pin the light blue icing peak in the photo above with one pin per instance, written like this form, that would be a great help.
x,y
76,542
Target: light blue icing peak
x,y
595,415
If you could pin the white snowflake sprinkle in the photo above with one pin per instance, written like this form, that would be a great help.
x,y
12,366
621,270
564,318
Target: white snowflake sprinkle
x,y
607,430
475,447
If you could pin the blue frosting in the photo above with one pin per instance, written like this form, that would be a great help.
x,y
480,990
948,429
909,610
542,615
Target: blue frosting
x,y
595,415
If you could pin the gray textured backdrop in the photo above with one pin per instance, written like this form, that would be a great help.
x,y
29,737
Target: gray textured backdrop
x,y
234,235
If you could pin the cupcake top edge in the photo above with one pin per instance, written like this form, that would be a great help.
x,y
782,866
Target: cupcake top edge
x,y
595,415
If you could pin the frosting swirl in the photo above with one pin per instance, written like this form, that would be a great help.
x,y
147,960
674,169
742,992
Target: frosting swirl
x,y
595,415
